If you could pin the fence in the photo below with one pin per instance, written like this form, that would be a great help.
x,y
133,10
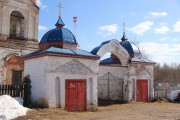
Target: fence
x,y
110,89
12,90
161,92
22,90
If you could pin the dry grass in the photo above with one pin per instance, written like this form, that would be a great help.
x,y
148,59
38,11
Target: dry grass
x,y
131,111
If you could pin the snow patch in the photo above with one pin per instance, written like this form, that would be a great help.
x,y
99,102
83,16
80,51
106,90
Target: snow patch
x,y
11,108
173,95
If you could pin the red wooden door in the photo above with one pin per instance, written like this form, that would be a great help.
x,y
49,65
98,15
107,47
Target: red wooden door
x,y
142,91
75,95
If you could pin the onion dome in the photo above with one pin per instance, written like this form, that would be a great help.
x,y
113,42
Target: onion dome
x,y
58,37
127,45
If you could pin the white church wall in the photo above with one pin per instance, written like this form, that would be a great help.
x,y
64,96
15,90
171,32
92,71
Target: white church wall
x,y
45,70
130,75
54,62
91,90
36,69
140,72
116,71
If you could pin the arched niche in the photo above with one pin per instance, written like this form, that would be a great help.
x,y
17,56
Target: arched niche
x,y
58,92
116,49
14,69
17,25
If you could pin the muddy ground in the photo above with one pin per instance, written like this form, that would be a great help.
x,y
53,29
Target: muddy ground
x,y
130,111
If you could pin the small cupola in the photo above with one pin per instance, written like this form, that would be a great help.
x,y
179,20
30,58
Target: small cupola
x,y
126,44
124,38
58,37
59,23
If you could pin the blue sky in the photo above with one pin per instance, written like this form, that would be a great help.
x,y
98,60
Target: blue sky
x,y
153,24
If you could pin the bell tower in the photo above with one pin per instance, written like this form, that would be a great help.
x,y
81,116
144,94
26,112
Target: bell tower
x,y
19,19
18,36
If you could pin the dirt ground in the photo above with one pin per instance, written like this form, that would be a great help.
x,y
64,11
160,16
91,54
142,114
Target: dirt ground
x,y
130,111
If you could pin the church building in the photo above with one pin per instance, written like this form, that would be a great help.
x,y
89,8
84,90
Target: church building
x,y
18,36
62,75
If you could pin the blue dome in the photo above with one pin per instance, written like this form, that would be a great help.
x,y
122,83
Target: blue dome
x,y
128,47
58,35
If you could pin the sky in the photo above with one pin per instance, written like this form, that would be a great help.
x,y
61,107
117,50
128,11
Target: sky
x,y
154,25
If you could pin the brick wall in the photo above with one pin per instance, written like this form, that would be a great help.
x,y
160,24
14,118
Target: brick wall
x,y
5,54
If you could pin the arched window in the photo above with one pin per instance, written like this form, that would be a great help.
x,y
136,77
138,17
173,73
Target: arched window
x,y
16,25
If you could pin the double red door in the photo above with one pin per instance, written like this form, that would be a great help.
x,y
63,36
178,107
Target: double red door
x,y
142,91
75,95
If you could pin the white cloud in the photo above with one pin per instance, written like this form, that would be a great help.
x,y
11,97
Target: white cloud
x,y
158,14
161,30
142,27
40,4
177,27
169,39
41,27
162,53
108,30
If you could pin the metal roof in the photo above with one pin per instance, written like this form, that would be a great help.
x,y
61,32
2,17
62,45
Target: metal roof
x,y
95,50
56,50
127,45
58,35
142,60
109,60
115,60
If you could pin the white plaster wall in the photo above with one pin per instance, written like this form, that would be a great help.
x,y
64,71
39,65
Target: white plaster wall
x,y
130,74
54,62
91,91
136,73
43,75
36,69
116,71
